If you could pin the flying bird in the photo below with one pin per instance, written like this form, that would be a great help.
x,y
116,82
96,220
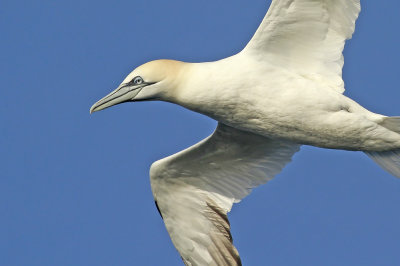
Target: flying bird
x,y
283,90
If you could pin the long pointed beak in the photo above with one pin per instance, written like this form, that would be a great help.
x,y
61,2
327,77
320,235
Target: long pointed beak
x,y
125,92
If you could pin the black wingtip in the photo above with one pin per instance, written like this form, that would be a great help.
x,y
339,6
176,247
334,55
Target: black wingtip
x,y
158,209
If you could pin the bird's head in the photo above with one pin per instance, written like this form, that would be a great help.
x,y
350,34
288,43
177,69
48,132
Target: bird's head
x,y
155,80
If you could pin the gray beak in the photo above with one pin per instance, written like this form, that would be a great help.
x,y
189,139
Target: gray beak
x,y
124,93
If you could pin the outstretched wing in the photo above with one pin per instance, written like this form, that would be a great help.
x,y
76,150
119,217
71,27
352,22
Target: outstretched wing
x,y
307,36
195,189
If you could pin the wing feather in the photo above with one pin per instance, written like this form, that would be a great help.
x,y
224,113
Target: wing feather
x,y
307,37
195,189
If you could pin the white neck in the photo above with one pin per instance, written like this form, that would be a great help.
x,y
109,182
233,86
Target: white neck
x,y
209,88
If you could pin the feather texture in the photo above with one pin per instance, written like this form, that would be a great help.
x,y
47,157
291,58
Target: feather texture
x,y
195,189
307,36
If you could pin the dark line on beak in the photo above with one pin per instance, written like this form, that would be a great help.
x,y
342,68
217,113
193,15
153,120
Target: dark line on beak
x,y
126,85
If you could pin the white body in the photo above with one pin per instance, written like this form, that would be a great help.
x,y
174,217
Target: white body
x,y
247,94
283,90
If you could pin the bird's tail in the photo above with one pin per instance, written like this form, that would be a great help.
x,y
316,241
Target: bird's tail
x,y
389,160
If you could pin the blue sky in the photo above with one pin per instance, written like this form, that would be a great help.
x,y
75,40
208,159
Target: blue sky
x,y
74,188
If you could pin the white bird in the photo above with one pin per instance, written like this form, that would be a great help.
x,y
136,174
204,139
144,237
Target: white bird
x,y
283,90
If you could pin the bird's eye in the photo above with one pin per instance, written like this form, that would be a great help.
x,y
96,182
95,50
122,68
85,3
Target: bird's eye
x,y
138,80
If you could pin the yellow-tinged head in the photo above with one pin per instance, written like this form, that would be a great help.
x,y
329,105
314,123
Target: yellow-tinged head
x,y
155,80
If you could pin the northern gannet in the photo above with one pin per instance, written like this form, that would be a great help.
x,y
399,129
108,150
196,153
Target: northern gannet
x,y
283,90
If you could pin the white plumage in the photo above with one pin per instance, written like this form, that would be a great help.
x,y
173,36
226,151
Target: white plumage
x,y
282,91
